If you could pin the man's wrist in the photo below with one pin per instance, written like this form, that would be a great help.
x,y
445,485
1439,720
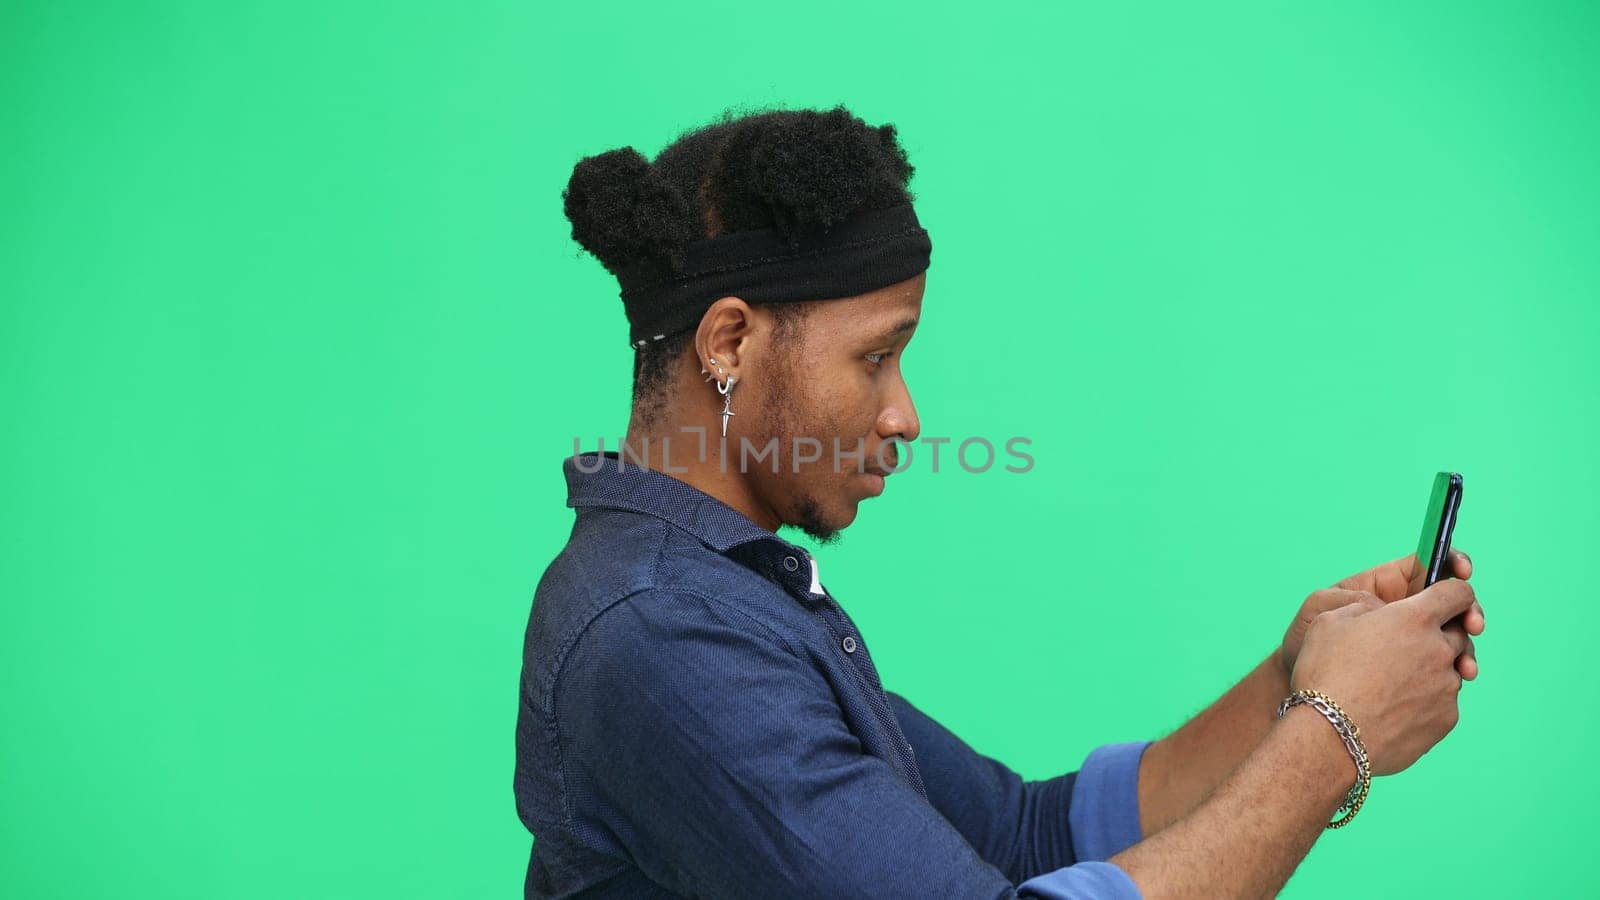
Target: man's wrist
x,y
1270,683
1324,764
1278,666
1282,664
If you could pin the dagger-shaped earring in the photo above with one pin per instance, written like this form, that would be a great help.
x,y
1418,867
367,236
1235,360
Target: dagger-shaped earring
x,y
726,390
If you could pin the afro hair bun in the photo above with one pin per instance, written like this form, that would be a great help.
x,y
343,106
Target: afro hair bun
x,y
786,169
622,211
803,168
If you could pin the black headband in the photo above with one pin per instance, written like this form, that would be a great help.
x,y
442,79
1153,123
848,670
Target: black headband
x,y
862,253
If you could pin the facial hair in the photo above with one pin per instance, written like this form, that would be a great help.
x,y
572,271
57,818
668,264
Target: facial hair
x,y
782,418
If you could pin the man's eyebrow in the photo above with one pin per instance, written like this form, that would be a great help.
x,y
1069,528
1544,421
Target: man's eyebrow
x,y
900,328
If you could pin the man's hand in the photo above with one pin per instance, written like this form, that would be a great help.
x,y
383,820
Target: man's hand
x,y
1389,663
1181,769
1391,581
1394,667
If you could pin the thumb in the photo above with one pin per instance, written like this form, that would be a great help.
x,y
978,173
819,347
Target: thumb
x,y
1443,600
1346,605
1330,599
1356,608
1352,603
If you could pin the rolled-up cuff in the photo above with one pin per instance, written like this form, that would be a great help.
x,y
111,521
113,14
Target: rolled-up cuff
x,y
1084,881
1104,812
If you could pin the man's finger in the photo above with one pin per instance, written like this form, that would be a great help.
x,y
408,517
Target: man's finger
x,y
1457,637
1467,662
1443,600
1473,619
1350,603
1349,609
1460,564
1389,581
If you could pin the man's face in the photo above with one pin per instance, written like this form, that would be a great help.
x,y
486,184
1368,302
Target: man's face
x,y
836,378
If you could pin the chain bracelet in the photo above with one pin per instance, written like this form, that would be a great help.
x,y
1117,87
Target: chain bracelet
x,y
1351,735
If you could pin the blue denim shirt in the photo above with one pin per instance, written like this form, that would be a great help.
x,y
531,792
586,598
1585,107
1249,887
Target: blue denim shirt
x,y
699,717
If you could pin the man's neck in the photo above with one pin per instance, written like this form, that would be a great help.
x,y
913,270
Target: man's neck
x,y
698,463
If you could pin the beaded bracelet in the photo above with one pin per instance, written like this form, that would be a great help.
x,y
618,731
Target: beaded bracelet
x,y
1351,735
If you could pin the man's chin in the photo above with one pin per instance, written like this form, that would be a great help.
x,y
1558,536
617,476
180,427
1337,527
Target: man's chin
x,y
824,527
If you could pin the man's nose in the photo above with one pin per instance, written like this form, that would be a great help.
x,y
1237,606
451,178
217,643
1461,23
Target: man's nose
x,y
899,417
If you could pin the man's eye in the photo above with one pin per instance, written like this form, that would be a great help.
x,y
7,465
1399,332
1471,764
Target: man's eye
x,y
876,358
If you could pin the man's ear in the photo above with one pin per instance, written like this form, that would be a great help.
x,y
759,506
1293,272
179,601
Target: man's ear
x,y
723,336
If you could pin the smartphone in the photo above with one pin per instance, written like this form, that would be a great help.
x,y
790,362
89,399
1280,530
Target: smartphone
x,y
1433,546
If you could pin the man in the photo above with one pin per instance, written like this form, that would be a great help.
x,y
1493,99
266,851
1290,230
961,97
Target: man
x,y
699,715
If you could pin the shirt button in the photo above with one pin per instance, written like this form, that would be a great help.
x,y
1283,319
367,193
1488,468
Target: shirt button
x,y
791,563
849,644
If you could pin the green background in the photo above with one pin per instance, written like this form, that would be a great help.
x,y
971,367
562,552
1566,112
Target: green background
x,y
293,340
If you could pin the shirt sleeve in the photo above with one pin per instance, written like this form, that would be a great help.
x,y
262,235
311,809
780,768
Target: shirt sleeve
x,y
1105,801
1027,828
714,755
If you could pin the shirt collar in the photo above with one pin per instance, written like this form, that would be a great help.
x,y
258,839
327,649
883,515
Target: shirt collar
x,y
603,479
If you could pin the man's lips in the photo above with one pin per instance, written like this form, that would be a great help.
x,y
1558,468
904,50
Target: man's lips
x,y
894,466
876,478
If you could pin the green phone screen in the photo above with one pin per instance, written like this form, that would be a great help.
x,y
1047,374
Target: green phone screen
x,y
1430,521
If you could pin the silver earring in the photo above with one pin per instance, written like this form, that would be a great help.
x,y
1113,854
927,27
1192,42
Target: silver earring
x,y
726,390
